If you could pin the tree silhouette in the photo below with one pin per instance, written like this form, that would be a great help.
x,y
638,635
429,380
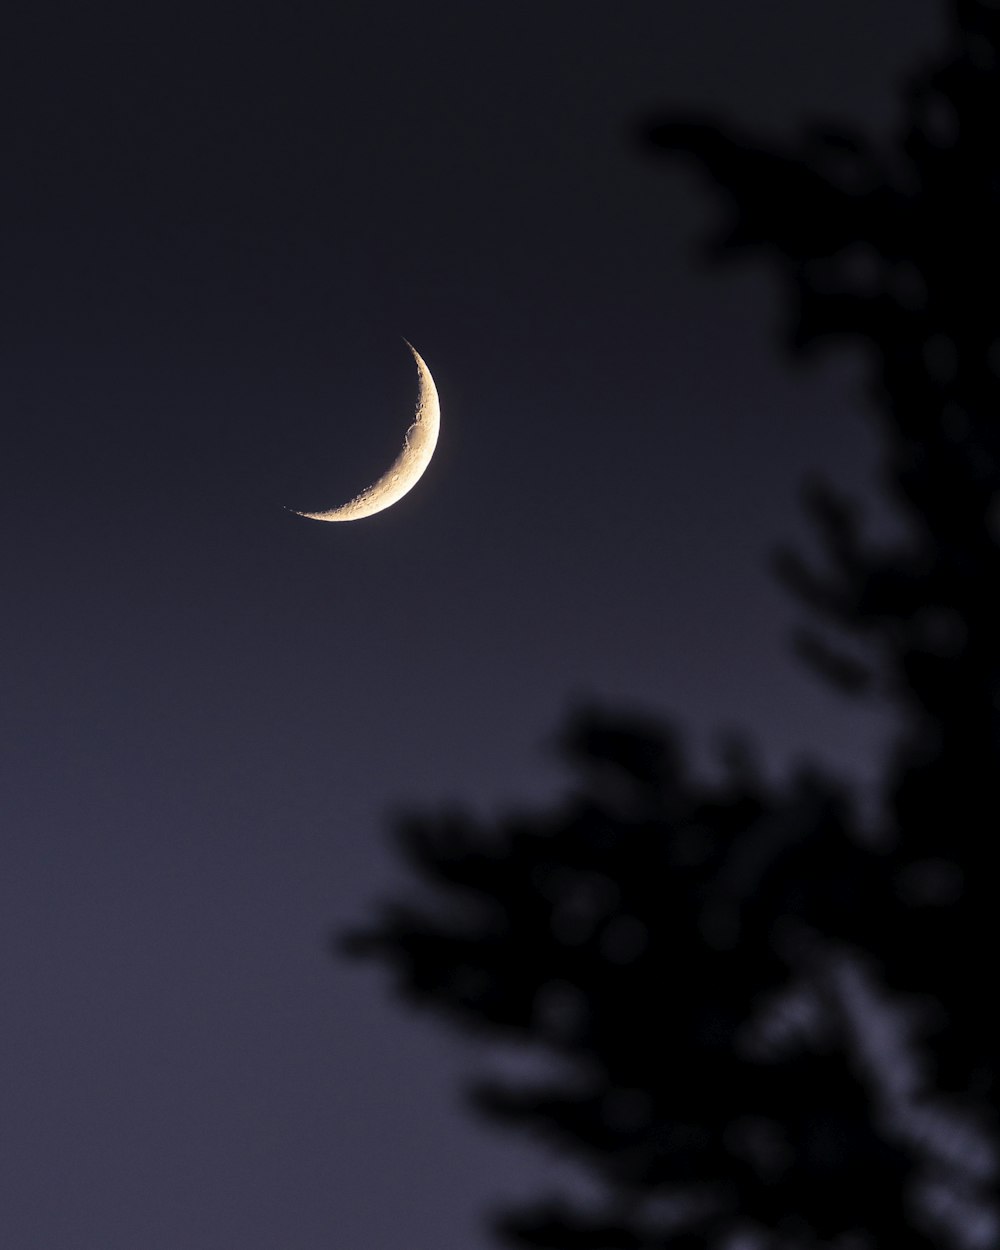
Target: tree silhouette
x,y
769,1023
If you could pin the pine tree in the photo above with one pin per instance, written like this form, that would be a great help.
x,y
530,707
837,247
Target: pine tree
x,y
765,1020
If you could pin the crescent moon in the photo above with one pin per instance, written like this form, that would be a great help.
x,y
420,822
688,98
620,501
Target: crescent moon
x,y
408,467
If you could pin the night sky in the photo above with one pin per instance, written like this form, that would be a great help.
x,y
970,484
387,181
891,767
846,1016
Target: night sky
x,y
217,223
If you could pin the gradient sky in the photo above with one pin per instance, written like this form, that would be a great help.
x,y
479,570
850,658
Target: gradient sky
x,y
216,225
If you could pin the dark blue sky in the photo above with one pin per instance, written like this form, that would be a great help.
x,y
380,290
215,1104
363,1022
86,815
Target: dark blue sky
x,y
216,223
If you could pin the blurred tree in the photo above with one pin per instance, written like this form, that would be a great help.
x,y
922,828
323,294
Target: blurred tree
x,y
707,965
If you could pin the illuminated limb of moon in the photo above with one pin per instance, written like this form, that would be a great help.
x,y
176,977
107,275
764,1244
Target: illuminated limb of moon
x,y
408,467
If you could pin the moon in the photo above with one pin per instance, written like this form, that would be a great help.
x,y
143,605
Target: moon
x,y
408,467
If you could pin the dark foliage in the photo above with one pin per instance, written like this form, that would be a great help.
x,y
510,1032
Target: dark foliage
x,y
763,1020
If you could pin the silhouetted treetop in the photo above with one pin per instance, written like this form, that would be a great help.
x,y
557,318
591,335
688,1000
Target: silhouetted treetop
x,y
765,1024
894,244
